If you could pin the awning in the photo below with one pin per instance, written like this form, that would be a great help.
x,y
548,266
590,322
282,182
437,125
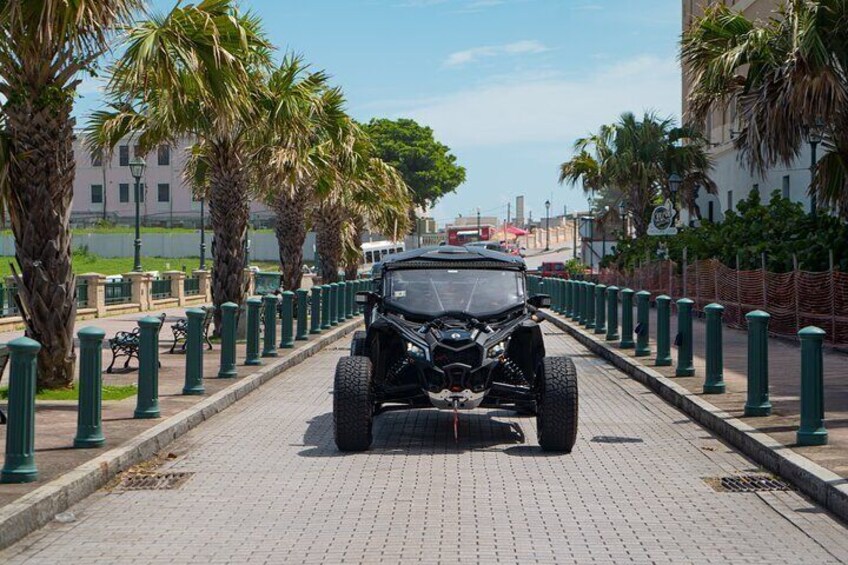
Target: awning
x,y
516,231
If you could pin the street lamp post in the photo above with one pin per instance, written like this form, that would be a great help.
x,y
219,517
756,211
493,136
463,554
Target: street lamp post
x,y
137,171
574,218
674,183
547,225
479,234
814,135
202,236
622,211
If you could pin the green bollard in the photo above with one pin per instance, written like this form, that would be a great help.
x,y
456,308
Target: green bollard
x,y
575,299
714,381
569,298
334,304
643,321
194,352
147,400
315,311
554,295
601,309
581,302
252,347
269,340
351,302
302,298
612,313
325,307
19,465
685,368
89,410
287,306
340,302
812,431
758,386
227,369
627,319
589,318
560,294
663,331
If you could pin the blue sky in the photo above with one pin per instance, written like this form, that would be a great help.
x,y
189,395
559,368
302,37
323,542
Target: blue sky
x,y
507,84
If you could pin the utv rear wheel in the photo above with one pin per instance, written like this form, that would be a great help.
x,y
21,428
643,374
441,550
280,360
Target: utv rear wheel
x,y
556,417
357,345
353,404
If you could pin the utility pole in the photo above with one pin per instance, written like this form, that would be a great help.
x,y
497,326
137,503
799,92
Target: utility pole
x,y
479,233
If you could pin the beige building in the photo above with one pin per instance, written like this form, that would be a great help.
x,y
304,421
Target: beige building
x,y
734,180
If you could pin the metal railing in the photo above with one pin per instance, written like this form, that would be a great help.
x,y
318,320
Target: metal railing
x,y
8,306
118,292
191,286
82,294
266,283
161,288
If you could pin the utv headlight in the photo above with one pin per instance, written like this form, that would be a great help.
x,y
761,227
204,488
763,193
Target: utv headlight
x,y
414,351
498,349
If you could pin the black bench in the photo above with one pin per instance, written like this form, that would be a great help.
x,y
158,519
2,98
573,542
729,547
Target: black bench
x,y
180,329
4,360
125,344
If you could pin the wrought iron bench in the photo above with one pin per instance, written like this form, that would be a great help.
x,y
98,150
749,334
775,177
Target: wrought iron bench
x,y
125,344
4,360
180,329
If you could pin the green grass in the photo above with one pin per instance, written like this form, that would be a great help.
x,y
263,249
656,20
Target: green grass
x,y
87,263
110,392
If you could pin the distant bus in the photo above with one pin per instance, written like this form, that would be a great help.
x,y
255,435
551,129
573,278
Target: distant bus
x,y
462,235
375,251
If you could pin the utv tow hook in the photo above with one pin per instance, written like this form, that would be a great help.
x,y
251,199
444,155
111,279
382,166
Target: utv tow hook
x,y
455,403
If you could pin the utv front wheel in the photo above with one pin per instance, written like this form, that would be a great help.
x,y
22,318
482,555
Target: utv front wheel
x,y
556,417
353,404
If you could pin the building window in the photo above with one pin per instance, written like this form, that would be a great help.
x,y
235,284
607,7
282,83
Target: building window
x,y
729,200
97,194
164,155
164,191
785,188
96,158
711,211
124,155
124,192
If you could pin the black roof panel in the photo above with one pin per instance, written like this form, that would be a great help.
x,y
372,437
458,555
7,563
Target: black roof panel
x,y
467,256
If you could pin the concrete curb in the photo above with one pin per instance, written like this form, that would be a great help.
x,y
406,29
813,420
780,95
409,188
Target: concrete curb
x,y
37,508
822,485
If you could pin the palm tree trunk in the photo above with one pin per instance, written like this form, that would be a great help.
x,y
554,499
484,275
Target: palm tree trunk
x,y
352,266
290,213
41,176
229,209
328,240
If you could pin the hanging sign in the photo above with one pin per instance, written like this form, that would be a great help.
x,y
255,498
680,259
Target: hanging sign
x,y
662,220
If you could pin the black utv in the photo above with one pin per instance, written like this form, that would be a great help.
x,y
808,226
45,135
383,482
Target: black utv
x,y
453,328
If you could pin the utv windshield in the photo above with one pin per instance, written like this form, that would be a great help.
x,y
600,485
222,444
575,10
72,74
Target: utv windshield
x,y
434,292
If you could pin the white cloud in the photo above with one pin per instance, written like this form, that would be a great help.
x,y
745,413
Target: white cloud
x,y
545,108
526,47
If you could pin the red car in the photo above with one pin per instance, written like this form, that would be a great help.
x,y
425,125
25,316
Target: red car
x,y
554,269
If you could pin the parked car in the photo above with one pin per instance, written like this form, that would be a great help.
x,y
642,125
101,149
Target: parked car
x,y
453,328
554,269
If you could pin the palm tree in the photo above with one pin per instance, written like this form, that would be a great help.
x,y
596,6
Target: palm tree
x,y
632,160
45,48
197,72
782,77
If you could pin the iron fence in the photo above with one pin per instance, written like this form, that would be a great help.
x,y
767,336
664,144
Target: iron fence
x,y
161,288
191,286
118,292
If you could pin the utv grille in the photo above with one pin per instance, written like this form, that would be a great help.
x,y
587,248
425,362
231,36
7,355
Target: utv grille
x,y
443,356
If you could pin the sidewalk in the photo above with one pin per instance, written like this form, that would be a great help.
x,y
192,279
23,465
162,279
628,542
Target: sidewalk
x,y
784,386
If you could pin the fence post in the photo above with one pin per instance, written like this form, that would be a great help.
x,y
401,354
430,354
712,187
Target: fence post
x,y
714,381
302,299
758,383
315,311
685,368
326,306
89,409
287,306
340,302
227,369
627,319
334,304
252,347
19,465
269,339
147,403
663,331
194,352
612,313
601,309
577,311
643,322
589,318
812,430
560,295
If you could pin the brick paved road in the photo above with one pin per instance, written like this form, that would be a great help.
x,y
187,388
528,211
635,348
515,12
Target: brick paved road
x,y
270,488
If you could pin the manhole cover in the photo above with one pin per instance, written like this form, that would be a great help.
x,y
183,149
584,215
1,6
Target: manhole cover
x,y
153,481
746,483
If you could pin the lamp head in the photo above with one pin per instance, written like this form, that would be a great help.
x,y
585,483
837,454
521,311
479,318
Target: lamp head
x,y
137,166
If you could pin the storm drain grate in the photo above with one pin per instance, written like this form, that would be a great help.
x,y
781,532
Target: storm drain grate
x,y
154,481
747,483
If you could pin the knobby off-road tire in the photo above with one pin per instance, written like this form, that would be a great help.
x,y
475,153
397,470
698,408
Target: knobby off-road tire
x,y
556,417
353,404
357,345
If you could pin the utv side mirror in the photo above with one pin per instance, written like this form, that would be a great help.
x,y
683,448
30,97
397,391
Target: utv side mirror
x,y
540,301
365,298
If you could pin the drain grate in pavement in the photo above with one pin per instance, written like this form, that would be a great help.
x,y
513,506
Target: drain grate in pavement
x,y
747,483
616,439
153,481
